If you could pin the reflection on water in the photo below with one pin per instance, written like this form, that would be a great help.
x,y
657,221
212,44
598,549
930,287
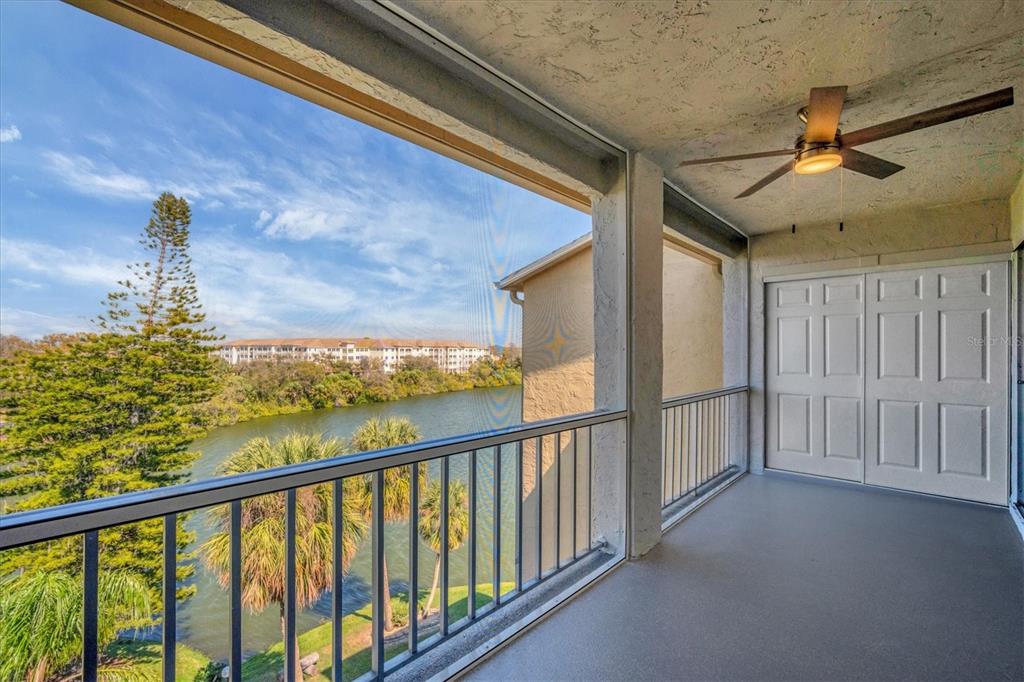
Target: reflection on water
x,y
203,621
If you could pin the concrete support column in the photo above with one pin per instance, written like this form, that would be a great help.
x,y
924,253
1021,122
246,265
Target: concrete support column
x,y
628,351
734,351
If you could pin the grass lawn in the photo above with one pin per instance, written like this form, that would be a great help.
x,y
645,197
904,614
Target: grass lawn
x,y
355,628
147,658
263,667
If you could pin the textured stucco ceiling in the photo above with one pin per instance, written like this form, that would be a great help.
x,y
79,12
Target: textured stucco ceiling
x,y
691,79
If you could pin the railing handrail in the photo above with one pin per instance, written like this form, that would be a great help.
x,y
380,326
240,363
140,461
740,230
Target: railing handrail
x,y
49,523
703,395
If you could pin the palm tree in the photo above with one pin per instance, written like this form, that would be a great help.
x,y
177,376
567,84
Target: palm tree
x,y
376,434
263,519
41,614
430,527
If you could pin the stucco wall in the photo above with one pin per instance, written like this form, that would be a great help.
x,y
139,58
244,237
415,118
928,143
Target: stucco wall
x,y
1017,214
558,333
558,340
908,236
692,343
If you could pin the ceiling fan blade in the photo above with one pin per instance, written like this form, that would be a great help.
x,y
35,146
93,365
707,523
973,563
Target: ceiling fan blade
x,y
738,157
868,165
823,111
766,180
932,117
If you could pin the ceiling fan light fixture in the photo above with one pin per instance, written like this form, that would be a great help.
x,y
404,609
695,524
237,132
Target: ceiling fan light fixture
x,y
817,160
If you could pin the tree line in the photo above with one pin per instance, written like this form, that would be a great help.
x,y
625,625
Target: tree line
x,y
266,388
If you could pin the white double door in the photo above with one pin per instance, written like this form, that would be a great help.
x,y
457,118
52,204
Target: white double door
x,y
892,378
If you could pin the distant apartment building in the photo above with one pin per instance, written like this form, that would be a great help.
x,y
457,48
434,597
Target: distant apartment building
x,y
390,354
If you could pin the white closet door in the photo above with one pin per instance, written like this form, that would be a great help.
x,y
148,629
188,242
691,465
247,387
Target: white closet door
x,y
936,392
815,376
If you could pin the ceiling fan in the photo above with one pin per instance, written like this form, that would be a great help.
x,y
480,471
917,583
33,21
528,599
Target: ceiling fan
x,y
823,146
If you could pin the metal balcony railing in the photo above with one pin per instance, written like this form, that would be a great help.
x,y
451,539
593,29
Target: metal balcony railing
x,y
569,435
696,445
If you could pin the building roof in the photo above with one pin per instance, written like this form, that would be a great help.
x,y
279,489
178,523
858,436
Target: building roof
x,y
515,280
360,342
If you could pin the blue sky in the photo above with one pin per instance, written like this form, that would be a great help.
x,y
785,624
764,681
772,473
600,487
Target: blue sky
x,y
304,222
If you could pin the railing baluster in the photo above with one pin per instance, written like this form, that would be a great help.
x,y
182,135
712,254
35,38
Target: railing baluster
x,y
721,434
728,431
677,481
677,413
709,449
471,545
712,441
700,444
672,454
235,660
689,447
721,444
338,581
519,516
558,500
414,556
496,531
665,496
677,454
666,472
713,427
718,436
575,481
670,463
377,585
290,638
170,588
683,456
90,605
590,487
540,505
703,407
444,546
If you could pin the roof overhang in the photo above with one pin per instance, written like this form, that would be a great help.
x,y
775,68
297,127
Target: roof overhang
x,y
514,282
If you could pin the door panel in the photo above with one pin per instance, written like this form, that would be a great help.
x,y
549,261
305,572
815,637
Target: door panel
x,y
815,376
936,390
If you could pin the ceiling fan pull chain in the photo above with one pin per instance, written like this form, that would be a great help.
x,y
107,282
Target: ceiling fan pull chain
x,y
792,196
841,196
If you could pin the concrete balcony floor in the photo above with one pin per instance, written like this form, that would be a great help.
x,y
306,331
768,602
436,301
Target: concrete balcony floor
x,y
783,579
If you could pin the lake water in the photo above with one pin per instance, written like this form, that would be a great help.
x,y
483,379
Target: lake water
x,y
203,621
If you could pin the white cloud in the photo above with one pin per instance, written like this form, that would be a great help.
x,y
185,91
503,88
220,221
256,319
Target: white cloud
x,y
32,325
25,284
10,133
246,291
301,223
78,266
251,292
83,175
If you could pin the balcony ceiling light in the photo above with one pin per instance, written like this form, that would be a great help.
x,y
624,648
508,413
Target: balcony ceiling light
x,y
816,160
